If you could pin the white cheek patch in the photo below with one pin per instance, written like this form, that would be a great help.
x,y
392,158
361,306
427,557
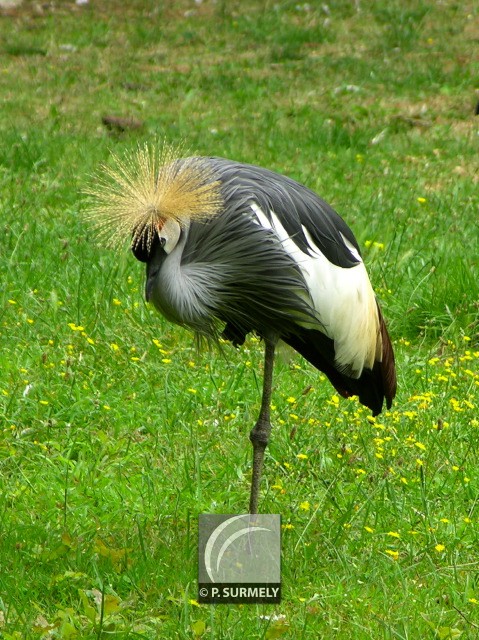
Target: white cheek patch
x,y
170,232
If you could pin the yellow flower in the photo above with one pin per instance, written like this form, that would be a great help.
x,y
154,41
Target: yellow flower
x,y
455,404
291,400
302,456
304,506
439,548
394,534
394,554
421,200
166,360
75,327
369,529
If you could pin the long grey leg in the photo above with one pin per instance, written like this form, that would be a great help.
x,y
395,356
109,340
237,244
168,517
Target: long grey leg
x,y
259,435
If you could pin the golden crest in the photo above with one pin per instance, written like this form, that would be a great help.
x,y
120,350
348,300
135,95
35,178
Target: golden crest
x,y
132,198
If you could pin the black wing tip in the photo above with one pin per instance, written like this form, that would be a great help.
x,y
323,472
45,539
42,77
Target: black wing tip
x,y
378,385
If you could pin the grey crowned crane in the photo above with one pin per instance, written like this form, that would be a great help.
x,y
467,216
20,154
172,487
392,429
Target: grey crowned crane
x,y
232,248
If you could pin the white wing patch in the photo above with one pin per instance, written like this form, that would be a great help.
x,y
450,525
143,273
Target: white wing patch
x,y
262,217
343,299
352,249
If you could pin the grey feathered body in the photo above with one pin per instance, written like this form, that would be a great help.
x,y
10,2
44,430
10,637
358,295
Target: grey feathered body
x,y
237,273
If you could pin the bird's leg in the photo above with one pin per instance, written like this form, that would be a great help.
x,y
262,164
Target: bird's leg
x,y
259,435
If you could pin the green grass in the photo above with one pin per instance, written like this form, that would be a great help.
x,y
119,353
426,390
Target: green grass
x,y
116,432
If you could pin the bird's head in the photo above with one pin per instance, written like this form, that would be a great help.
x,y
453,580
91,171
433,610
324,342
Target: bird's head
x,y
150,196
165,236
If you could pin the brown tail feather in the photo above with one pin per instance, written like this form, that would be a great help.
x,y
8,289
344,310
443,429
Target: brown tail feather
x,y
319,351
372,387
388,367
